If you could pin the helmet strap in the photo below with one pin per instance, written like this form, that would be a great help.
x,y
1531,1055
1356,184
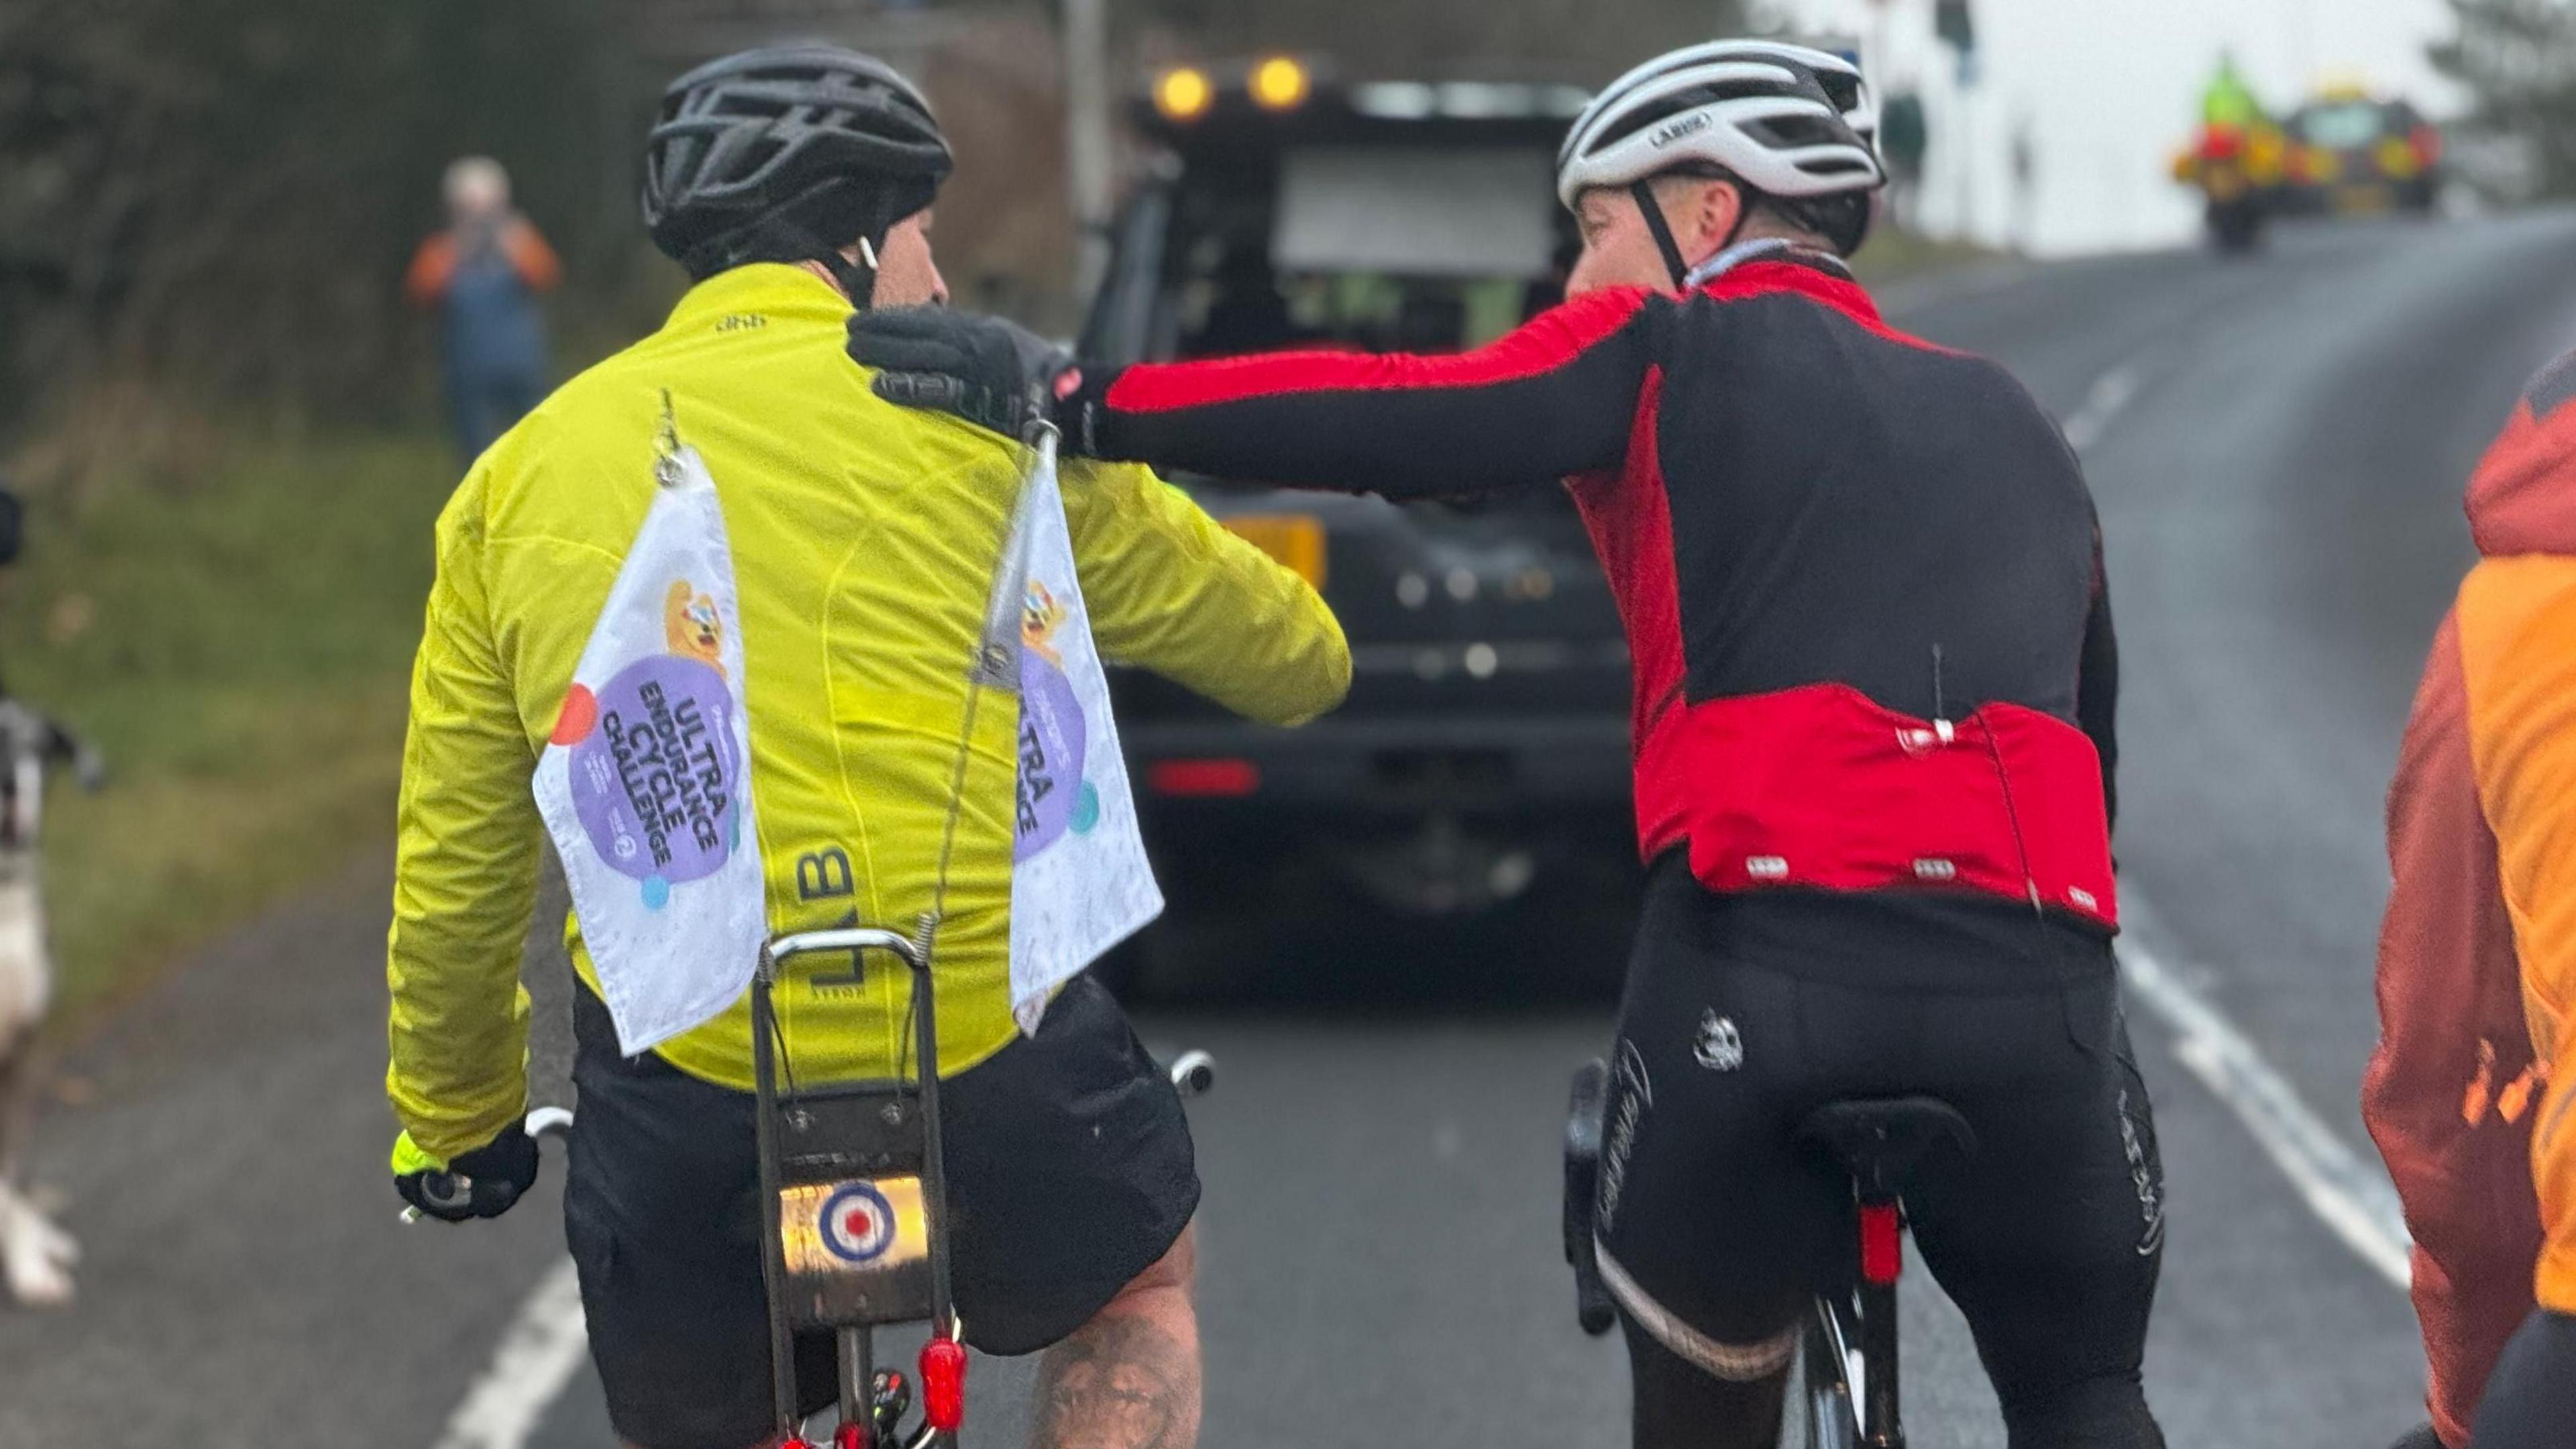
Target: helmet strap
x,y
1653,210
1674,261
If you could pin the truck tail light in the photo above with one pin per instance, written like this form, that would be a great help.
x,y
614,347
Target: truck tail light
x,y
1203,779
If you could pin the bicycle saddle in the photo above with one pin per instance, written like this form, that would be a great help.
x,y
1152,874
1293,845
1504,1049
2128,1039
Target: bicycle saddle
x,y
1880,1140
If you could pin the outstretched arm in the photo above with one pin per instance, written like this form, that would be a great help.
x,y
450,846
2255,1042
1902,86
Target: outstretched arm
x,y
1557,397
1172,591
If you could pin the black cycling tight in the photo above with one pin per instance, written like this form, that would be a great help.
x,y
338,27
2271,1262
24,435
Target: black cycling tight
x,y
1679,1407
1744,1015
2531,1401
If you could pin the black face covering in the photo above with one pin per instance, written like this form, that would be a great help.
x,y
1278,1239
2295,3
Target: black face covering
x,y
795,232
857,280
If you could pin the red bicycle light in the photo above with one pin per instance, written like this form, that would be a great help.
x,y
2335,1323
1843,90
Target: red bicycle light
x,y
1882,1244
851,1435
943,1384
1204,779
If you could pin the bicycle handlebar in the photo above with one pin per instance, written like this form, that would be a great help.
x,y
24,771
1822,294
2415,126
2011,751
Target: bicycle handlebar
x,y
841,943
541,1123
1193,1073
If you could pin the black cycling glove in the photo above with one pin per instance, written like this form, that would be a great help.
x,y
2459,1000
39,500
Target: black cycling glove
x,y
483,1183
992,373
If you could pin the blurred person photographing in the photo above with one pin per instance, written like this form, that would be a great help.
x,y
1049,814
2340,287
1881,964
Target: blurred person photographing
x,y
2470,1096
483,274
1861,578
794,184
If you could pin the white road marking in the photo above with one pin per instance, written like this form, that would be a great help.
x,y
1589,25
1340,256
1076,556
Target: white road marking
x,y
537,1357
2353,1198
2110,397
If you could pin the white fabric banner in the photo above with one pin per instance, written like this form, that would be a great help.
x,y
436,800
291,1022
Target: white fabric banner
x,y
1080,883
646,783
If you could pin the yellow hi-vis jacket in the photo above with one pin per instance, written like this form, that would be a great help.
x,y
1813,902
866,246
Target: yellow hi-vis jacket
x,y
865,539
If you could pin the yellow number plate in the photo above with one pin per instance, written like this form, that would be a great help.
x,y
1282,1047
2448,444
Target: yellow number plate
x,y
873,1225
1294,539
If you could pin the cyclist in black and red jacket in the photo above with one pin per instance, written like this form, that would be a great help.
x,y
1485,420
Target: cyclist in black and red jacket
x,y
1862,583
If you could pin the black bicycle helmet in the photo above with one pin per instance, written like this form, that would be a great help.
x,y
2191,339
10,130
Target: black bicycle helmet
x,y
789,153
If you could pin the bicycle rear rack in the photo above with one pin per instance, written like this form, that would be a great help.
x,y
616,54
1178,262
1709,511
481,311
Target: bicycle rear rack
x,y
854,1235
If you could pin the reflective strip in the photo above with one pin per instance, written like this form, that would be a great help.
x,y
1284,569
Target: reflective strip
x,y
1735,1363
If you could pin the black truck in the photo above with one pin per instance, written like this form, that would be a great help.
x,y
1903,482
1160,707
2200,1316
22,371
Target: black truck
x,y
1476,783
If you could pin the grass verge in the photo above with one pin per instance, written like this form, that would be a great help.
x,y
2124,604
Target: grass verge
x,y
1894,255
236,637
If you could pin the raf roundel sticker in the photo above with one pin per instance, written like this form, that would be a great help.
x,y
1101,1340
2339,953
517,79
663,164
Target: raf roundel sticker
x,y
857,1224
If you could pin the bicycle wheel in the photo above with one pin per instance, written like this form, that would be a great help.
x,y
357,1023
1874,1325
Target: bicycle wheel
x,y
1823,1409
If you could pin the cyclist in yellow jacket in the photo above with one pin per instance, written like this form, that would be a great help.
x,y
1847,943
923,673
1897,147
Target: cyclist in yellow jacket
x,y
794,183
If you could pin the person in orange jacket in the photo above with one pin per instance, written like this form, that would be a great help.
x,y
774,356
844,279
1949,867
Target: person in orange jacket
x,y
483,273
2469,1095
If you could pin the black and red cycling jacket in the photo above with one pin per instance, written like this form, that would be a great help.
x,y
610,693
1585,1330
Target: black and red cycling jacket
x,y
1861,575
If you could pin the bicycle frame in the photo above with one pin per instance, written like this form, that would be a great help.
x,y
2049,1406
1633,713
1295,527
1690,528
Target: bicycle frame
x,y
1826,1373
862,1151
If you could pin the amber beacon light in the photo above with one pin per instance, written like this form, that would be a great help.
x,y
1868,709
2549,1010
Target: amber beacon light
x,y
1281,84
1184,94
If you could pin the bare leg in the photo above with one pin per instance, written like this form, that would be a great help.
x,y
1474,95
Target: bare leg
x,y
1130,1378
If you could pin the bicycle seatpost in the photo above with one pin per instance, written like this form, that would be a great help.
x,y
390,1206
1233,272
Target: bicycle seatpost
x,y
1882,1262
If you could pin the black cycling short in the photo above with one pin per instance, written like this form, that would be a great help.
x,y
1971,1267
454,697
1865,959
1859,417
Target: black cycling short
x,y
1746,1013
1070,1172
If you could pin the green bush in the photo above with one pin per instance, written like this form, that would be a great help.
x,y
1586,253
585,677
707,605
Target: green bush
x,y
237,639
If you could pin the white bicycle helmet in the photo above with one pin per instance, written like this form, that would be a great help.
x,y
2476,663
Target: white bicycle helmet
x,y
1793,124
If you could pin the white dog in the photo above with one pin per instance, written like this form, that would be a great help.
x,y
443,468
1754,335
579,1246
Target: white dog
x,y
36,1257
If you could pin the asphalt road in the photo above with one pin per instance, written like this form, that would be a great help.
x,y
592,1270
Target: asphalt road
x,y
2278,446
